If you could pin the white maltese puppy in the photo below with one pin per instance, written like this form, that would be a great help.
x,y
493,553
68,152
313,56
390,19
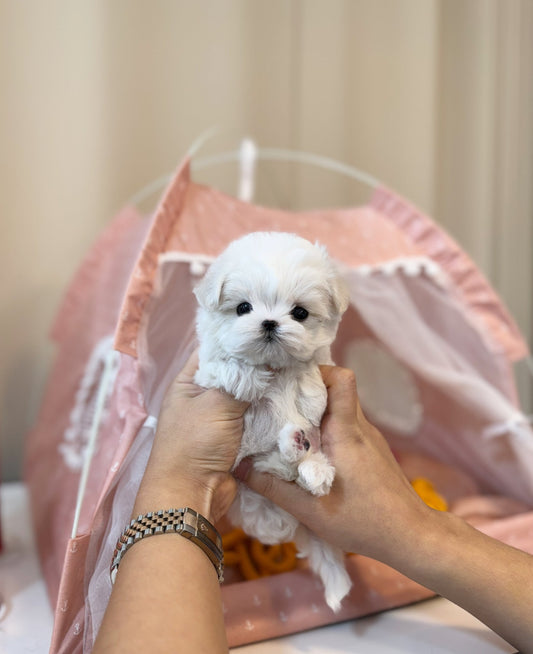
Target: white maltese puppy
x,y
270,306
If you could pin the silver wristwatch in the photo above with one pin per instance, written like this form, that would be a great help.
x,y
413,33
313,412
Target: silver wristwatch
x,y
185,522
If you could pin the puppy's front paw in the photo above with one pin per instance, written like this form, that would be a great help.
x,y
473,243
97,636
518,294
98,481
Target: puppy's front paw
x,y
244,382
261,380
316,474
293,443
205,376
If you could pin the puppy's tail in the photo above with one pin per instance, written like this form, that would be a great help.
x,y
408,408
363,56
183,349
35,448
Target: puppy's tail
x,y
328,563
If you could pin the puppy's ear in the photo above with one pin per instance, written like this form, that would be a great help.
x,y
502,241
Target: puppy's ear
x,y
338,288
209,290
339,293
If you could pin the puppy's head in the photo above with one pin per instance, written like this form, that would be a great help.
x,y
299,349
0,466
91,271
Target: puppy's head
x,y
271,298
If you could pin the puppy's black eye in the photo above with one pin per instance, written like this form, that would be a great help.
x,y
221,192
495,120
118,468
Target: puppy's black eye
x,y
244,307
299,314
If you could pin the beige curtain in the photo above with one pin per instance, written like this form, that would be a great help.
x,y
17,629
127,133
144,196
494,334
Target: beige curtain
x,y
433,97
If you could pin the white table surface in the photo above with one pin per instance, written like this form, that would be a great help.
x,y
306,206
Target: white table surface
x,y
435,626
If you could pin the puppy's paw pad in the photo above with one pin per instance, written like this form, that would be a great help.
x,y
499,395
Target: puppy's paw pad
x,y
316,476
293,443
300,441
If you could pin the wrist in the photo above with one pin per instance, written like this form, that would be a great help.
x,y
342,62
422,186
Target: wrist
x,y
408,531
422,546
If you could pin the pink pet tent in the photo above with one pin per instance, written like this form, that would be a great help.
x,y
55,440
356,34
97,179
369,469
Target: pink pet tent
x,y
430,342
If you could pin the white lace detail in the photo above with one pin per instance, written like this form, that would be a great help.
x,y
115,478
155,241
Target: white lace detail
x,y
73,447
409,266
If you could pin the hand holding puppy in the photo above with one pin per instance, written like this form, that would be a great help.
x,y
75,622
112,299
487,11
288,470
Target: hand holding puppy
x,y
372,509
198,437
370,501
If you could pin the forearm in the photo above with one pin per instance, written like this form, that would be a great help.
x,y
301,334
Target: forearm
x,y
166,599
492,581
438,550
166,596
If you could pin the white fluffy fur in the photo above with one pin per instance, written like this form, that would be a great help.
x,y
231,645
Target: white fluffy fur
x,y
277,371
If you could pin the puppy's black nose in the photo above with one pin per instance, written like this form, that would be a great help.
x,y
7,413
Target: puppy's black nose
x,y
269,325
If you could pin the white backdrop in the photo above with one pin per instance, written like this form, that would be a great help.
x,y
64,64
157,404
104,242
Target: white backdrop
x,y
433,97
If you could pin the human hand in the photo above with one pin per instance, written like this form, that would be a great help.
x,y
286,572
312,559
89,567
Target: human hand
x,y
198,436
371,505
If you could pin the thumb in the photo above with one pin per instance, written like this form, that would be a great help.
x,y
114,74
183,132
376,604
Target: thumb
x,y
225,405
189,368
238,406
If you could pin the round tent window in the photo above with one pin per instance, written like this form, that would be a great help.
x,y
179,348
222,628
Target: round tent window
x,y
387,389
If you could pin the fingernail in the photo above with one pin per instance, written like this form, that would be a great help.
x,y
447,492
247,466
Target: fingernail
x,y
242,471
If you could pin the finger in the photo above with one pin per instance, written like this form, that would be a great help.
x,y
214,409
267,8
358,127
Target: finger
x,y
327,371
342,389
189,369
239,406
222,406
334,376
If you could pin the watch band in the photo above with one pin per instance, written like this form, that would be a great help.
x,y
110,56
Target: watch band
x,y
186,522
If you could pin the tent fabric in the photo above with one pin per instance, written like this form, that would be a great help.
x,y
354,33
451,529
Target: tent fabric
x,y
431,344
